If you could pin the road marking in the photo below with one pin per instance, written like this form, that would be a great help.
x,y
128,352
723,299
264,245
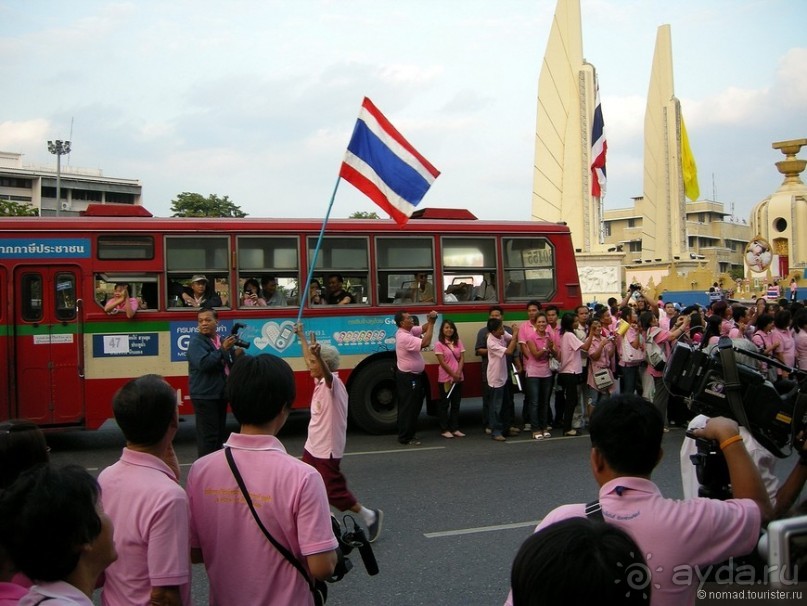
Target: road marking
x,y
461,531
393,450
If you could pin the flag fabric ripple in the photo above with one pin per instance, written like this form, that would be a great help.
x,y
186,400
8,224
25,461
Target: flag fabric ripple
x,y
599,147
688,169
384,166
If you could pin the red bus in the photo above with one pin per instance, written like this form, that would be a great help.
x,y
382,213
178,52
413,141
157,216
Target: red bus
x,y
64,357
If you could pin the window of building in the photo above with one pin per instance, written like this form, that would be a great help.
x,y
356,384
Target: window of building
x,y
119,197
405,269
529,269
469,269
635,246
123,248
189,256
345,259
268,271
631,222
607,229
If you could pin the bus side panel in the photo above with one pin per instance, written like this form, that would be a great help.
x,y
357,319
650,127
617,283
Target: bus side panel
x,y
5,346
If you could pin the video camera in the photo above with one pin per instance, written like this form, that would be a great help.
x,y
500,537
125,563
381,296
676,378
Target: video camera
x,y
350,538
234,333
776,415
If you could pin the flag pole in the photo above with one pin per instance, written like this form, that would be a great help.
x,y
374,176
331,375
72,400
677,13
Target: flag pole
x,y
316,252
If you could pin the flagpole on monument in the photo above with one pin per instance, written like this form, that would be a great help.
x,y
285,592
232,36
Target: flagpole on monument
x,y
312,265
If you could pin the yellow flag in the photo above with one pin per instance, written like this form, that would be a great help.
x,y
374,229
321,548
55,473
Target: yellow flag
x,y
688,168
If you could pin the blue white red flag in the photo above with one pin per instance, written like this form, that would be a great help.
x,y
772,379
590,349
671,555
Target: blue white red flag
x,y
599,147
383,165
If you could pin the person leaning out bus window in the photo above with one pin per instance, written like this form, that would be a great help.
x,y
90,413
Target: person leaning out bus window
x,y
121,301
200,295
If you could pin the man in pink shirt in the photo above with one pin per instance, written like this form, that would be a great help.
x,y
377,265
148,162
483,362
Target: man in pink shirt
x,y
327,429
409,340
500,345
142,496
243,567
675,536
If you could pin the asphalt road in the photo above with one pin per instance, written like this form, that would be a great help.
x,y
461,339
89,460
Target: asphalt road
x,y
455,510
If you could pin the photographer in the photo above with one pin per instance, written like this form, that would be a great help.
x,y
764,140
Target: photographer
x,y
626,435
209,361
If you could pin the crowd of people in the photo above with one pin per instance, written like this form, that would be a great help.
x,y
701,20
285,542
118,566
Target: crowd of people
x,y
249,510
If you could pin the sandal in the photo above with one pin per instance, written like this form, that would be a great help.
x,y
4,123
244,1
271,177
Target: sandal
x,y
447,434
538,435
459,434
571,432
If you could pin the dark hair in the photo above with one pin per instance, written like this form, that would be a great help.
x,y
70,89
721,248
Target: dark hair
x,y
455,338
763,321
719,308
45,518
494,324
144,408
713,327
552,308
534,302
626,312
252,282
265,280
567,322
22,446
208,310
782,319
259,388
338,276
399,317
800,321
646,319
546,569
495,308
627,430
126,284
738,312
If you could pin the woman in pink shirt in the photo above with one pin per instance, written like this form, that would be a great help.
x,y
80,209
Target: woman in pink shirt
x,y
767,342
630,352
800,338
537,347
449,351
601,356
787,347
570,374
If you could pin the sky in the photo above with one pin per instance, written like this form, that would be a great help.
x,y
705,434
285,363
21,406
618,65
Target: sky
x,y
256,99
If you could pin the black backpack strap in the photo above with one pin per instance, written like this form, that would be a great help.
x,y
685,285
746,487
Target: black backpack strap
x,y
594,511
732,381
285,552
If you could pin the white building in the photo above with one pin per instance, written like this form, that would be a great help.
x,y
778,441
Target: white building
x,y
36,185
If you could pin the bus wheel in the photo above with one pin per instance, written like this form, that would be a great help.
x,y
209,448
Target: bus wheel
x,y
373,404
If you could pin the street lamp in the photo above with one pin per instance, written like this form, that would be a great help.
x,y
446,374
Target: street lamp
x,y
60,148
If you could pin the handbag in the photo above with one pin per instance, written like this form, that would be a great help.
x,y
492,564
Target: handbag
x,y
629,353
554,364
603,378
319,590
654,354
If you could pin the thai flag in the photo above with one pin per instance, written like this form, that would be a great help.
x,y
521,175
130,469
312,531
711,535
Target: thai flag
x,y
598,148
380,163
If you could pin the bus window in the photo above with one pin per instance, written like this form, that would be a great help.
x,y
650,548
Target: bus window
x,y
123,248
187,257
405,270
529,265
142,287
65,296
469,269
32,298
279,254
346,259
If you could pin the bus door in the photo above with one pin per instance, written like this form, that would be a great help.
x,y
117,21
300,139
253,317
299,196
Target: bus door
x,y
47,345
5,348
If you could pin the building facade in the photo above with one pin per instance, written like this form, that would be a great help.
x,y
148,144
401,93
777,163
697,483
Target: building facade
x,y
36,186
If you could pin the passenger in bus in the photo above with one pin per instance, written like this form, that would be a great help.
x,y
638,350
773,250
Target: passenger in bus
x,y
200,294
121,301
486,290
327,429
315,293
422,289
251,297
337,295
271,293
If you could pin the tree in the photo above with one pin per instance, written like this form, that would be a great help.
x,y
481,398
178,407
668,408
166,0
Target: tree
x,y
363,214
189,204
9,208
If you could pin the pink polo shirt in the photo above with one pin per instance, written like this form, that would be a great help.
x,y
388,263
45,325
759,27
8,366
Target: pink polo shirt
x,y
243,567
151,517
800,341
451,356
327,428
497,359
534,367
10,594
787,349
674,536
571,361
407,349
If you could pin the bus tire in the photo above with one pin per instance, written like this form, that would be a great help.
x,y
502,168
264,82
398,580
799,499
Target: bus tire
x,y
373,403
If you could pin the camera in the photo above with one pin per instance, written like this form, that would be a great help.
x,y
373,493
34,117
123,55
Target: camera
x,y
776,414
633,287
784,547
234,333
352,537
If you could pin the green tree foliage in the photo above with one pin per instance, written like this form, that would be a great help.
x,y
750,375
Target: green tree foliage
x,y
362,214
9,208
189,204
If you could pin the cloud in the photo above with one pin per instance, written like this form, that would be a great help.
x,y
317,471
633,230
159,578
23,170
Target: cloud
x,y
19,136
